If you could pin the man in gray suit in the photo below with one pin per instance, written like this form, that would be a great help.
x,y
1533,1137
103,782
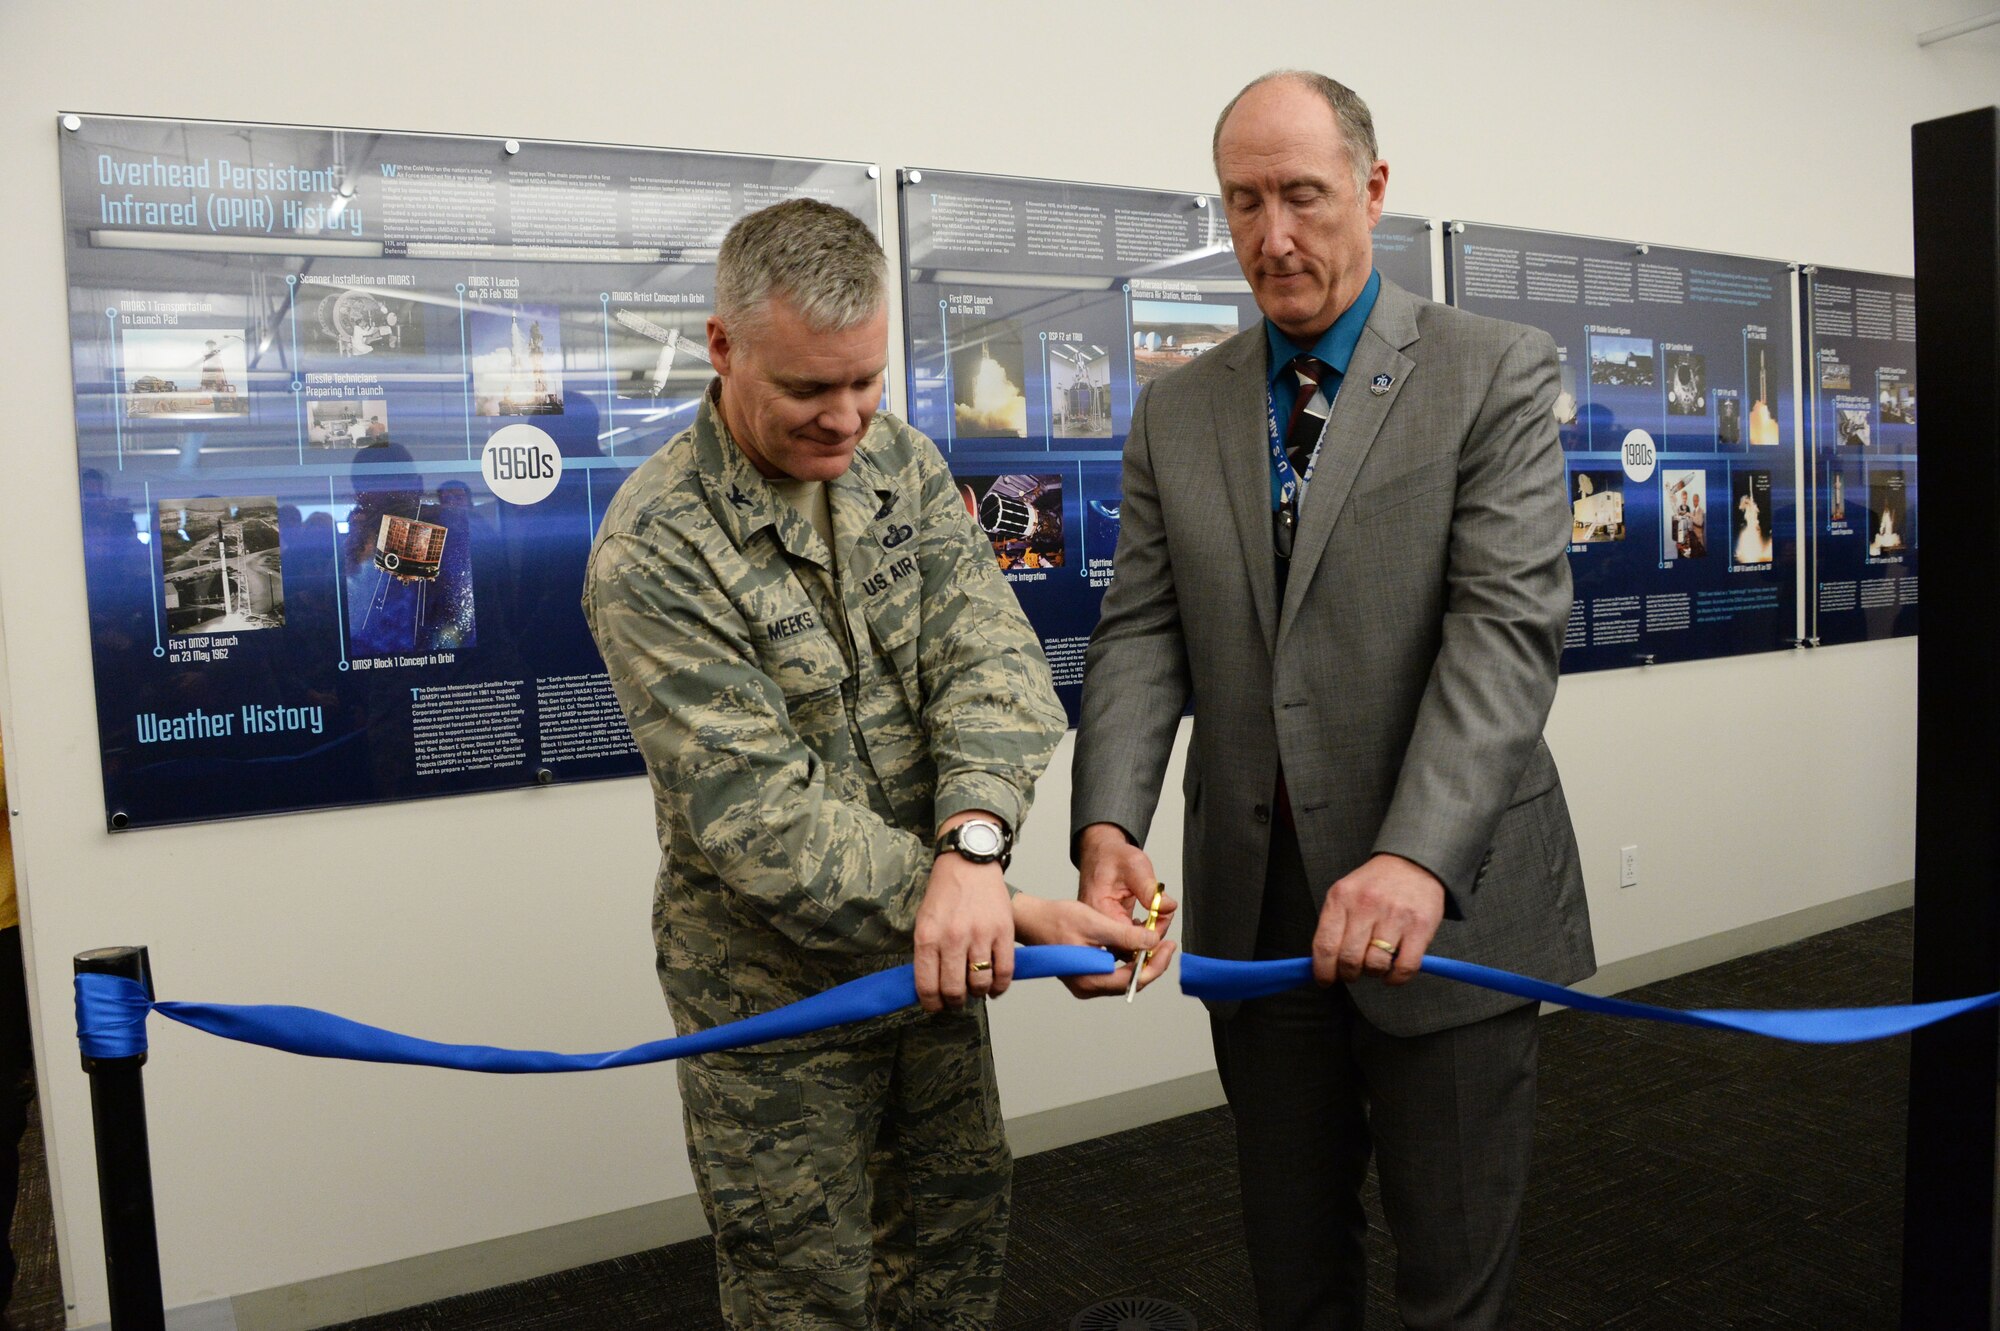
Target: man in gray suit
x,y
1367,616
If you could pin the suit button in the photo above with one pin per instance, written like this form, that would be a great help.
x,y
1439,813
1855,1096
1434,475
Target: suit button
x,y
1262,813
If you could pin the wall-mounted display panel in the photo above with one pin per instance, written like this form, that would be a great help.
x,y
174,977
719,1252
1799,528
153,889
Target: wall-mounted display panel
x,y
349,406
1861,423
1678,431
1035,313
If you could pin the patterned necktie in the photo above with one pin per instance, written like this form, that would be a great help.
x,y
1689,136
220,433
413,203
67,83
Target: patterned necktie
x,y
1302,431
1302,434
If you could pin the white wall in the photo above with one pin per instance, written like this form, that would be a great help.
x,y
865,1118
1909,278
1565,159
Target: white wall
x,y
1755,787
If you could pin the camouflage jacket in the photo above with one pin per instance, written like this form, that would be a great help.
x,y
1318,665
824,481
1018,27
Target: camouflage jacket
x,y
796,791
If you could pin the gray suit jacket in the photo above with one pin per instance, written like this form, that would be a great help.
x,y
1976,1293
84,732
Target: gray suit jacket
x,y
1404,681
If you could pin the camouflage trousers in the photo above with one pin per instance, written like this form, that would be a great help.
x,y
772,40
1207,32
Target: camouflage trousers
x,y
858,1186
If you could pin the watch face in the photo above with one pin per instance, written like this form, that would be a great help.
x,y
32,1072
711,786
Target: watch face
x,y
981,839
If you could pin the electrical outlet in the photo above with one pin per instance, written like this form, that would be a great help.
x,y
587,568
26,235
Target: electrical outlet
x,y
1628,866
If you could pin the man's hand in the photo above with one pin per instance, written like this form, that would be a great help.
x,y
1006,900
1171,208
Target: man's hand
x,y
1389,899
1116,879
1039,920
965,920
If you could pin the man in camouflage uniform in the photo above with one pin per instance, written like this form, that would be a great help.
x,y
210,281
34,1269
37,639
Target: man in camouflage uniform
x,y
826,671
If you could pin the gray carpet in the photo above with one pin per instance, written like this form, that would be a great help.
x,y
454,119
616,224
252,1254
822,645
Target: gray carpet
x,y
1684,1179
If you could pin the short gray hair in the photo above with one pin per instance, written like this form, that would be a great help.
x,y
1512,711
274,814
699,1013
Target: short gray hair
x,y
1357,126
821,258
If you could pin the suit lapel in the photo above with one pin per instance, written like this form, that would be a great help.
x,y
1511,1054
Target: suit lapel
x,y
1358,414
1245,465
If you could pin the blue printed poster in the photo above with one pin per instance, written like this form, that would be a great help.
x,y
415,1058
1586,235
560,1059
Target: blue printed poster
x,y
1676,413
1861,363
349,406
1035,312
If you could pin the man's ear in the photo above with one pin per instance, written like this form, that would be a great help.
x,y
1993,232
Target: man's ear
x,y
719,345
1378,191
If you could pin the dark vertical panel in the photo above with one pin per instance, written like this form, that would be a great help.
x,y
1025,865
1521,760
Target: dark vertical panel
x,y
1949,1233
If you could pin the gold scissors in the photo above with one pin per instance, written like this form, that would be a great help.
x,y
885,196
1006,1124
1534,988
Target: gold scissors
x,y
1152,918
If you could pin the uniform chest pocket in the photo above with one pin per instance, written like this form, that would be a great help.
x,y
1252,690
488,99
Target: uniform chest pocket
x,y
896,643
797,652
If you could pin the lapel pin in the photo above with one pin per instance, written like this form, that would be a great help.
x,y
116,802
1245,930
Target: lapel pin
x,y
1380,384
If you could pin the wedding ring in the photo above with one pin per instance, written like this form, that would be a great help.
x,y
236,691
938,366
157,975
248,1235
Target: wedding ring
x,y
980,966
1386,946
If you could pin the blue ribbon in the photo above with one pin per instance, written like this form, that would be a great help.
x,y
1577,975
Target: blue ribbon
x,y
1226,981
111,1013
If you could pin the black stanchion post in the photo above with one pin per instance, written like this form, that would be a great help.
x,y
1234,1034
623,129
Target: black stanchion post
x,y
124,1163
1949,1191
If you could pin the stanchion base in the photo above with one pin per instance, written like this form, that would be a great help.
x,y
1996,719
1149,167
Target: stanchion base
x,y
1133,1314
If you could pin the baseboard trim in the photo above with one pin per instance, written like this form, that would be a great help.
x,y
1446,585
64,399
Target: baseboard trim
x,y
415,1280
350,1295
1699,953
214,1315
1105,1115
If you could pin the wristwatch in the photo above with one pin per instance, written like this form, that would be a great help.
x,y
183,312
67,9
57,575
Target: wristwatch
x,y
981,840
